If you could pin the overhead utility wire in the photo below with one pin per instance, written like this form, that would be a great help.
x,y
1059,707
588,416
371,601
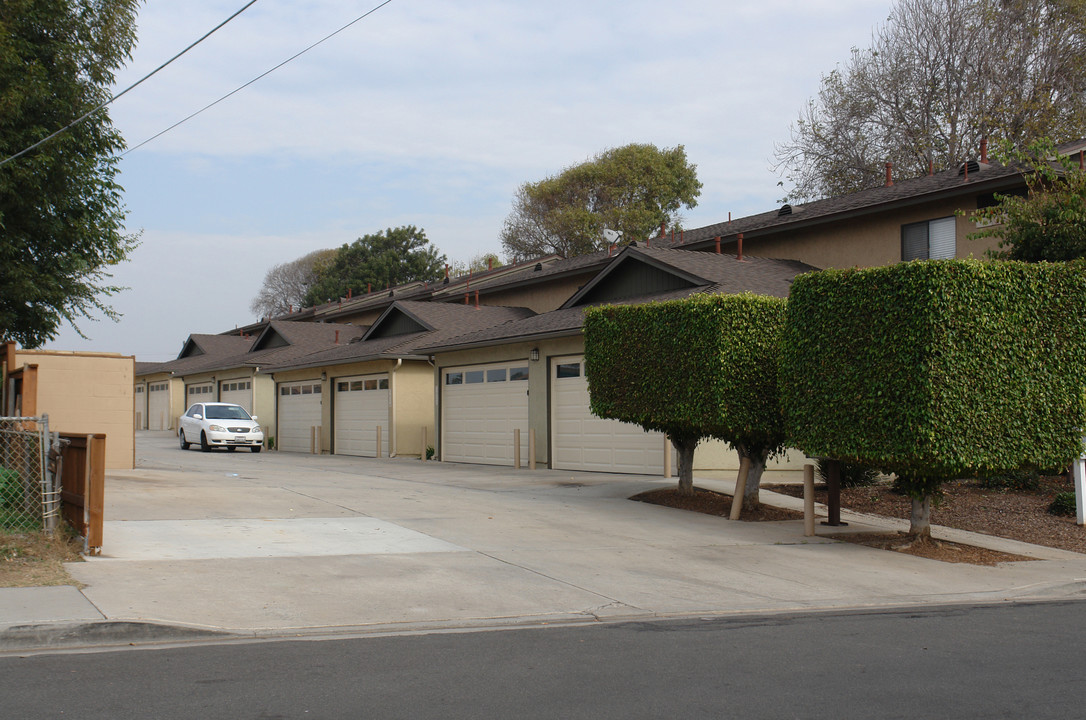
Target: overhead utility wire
x,y
75,122
258,77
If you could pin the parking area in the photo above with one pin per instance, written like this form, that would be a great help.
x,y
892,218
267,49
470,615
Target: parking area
x,y
276,542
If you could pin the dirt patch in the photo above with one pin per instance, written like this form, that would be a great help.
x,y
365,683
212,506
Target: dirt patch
x,y
32,559
714,503
967,505
942,550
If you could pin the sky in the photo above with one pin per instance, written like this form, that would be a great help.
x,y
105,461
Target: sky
x,y
426,113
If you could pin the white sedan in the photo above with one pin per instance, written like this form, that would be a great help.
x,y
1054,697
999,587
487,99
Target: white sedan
x,y
219,425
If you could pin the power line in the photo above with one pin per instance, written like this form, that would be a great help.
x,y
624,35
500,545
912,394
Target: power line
x,y
258,77
83,117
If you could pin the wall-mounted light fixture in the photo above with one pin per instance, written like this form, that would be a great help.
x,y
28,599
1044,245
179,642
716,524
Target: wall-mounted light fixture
x,y
324,376
533,355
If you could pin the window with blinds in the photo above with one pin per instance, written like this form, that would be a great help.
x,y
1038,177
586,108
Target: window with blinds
x,y
930,240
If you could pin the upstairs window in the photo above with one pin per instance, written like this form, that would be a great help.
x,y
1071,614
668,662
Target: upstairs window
x,y
930,240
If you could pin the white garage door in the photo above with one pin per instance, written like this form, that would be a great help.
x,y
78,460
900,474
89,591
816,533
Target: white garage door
x,y
141,406
299,411
200,392
481,406
158,406
582,441
361,406
239,392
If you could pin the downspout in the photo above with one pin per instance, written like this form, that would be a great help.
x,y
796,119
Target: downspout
x,y
393,436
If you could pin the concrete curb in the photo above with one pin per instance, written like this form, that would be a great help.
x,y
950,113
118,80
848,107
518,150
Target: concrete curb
x,y
43,636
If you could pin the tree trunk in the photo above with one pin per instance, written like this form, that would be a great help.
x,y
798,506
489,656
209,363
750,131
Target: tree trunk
x,y
685,449
754,476
920,520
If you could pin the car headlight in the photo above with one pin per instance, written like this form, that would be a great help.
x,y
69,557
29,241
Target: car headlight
x,y
216,428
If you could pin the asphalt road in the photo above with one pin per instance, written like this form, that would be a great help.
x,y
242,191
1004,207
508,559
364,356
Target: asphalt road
x,y
1005,661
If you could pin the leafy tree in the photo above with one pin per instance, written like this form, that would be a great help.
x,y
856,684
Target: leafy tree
x,y
939,76
631,189
384,259
706,368
1049,223
285,285
61,214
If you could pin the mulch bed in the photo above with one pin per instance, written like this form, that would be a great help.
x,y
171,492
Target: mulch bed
x,y
965,505
714,503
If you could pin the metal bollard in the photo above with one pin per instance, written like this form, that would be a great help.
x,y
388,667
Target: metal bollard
x,y
808,501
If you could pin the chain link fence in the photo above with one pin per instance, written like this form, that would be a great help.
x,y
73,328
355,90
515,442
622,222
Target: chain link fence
x,y
29,485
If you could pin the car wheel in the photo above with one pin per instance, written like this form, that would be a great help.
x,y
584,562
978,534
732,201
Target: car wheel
x,y
203,442
255,448
184,442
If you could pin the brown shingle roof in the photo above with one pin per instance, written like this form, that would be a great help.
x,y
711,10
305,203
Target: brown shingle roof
x,y
447,319
717,274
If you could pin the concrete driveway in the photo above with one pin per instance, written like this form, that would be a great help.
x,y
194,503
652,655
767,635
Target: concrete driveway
x,y
280,543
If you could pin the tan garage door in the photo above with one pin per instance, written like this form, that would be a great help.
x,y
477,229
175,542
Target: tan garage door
x,y
361,406
239,392
582,441
480,407
158,406
299,411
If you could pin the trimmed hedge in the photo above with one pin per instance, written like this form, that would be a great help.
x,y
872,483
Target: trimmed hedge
x,y
704,366
938,369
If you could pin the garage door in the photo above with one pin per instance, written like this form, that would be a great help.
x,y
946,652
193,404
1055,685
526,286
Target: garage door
x,y
158,406
582,441
299,411
239,392
481,405
199,392
361,406
141,406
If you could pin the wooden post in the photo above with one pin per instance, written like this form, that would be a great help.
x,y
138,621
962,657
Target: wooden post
x,y
808,501
740,488
833,493
424,445
531,448
667,457
95,500
312,439
516,448
29,406
378,441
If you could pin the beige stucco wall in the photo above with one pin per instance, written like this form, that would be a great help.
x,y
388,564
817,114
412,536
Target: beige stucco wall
x,y
865,241
412,394
539,298
88,393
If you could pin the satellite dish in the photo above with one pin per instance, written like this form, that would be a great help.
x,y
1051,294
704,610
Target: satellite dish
x,y
611,236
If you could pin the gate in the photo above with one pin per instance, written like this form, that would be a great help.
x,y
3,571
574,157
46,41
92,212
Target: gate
x,y
29,497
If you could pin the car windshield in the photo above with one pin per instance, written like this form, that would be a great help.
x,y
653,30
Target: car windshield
x,y
226,412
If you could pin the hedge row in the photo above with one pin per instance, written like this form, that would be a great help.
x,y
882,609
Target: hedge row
x,y
704,366
938,369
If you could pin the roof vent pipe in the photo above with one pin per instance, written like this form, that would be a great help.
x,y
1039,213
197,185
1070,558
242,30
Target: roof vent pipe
x,y
369,288
889,174
476,299
489,262
349,293
931,167
663,228
739,247
984,150
717,244
467,298
337,337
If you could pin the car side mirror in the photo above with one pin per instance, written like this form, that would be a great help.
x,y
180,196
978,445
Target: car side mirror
x,y
253,417
197,416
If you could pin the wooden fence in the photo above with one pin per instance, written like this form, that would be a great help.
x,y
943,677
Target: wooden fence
x,y
83,486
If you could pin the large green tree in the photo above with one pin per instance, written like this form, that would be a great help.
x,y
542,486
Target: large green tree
x,y
1049,222
939,76
383,259
632,189
61,213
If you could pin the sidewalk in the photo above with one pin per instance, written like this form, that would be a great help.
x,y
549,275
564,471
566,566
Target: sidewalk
x,y
232,545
